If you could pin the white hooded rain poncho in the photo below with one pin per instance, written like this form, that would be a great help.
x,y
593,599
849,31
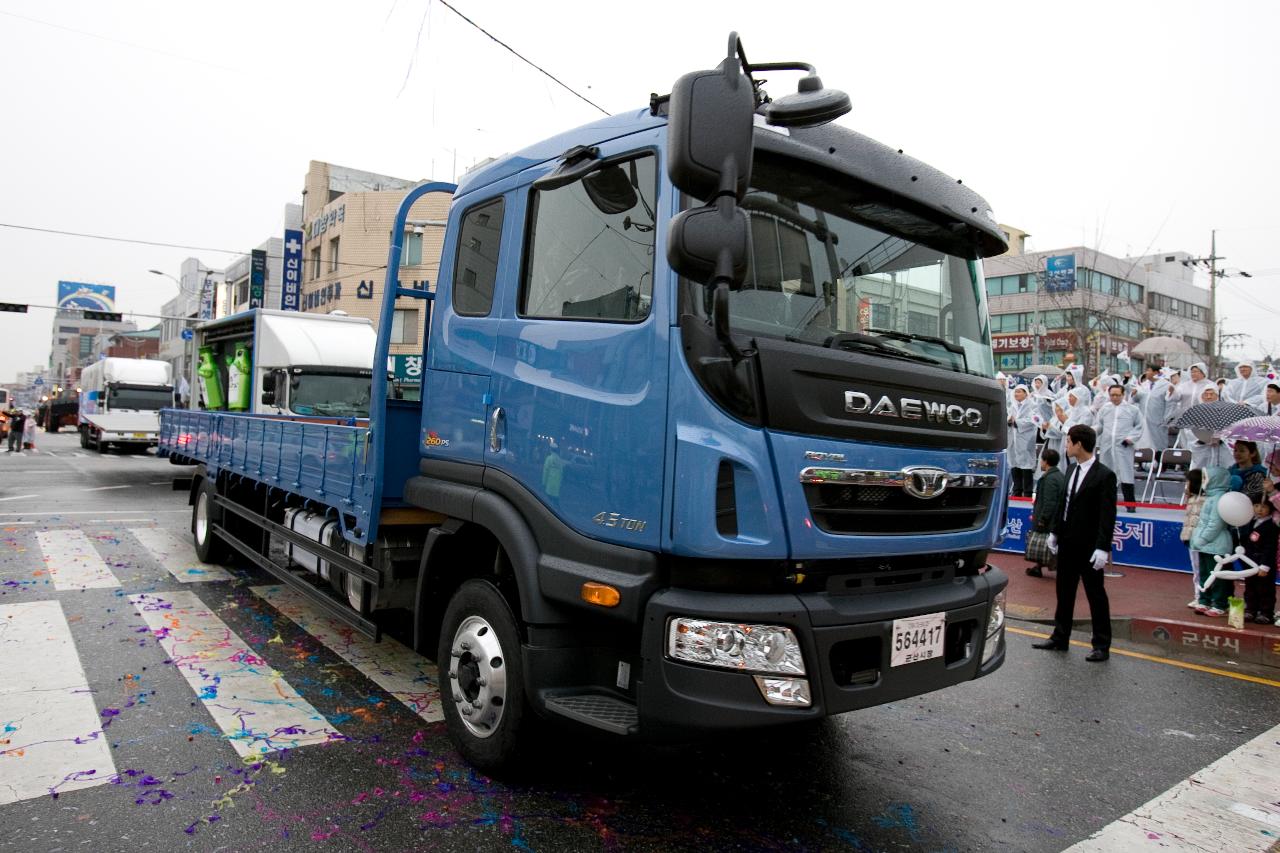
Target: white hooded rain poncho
x,y
1119,431
1068,411
1022,431
1249,390
1158,404
1190,390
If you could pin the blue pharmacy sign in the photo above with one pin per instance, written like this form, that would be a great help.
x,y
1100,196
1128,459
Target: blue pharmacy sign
x,y
291,291
1060,273
94,297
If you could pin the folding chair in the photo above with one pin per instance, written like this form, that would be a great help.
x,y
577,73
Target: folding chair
x,y
1172,467
1143,459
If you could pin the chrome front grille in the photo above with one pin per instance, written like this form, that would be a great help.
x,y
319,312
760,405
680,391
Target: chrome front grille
x,y
865,502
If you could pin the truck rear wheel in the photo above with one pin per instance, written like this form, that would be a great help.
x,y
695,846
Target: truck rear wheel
x,y
204,514
481,676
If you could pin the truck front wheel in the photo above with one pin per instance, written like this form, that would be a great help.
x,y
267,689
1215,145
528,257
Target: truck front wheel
x,y
482,680
204,513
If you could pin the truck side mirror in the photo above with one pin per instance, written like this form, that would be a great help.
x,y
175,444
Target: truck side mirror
x,y
269,388
709,130
710,141
710,137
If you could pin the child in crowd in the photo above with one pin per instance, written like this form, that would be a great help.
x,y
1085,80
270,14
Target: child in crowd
x,y
1259,540
1193,497
1212,536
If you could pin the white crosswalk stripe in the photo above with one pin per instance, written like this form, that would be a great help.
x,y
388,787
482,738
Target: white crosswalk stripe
x,y
258,711
73,562
1229,805
395,668
51,737
178,556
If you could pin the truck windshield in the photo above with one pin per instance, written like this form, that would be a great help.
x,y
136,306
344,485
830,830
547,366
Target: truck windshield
x,y
142,399
330,395
830,266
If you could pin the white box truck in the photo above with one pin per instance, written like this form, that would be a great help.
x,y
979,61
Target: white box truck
x,y
120,402
267,362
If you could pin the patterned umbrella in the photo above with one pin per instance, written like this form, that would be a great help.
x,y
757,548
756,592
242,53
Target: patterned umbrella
x,y
1214,416
1264,428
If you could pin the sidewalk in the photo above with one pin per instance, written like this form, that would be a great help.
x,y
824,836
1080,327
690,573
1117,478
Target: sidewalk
x,y
1148,606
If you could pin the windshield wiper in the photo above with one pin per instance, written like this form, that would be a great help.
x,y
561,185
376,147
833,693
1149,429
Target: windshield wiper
x,y
849,340
911,336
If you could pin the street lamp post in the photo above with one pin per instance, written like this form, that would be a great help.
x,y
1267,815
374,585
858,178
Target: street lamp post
x,y
188,347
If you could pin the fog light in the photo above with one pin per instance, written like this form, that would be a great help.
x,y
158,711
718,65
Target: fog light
x,y
995,627
791,692
749,648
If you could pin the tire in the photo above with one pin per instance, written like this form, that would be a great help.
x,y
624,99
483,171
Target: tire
x,y
486,677
204,514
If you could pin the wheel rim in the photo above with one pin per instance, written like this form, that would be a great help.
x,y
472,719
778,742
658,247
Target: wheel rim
x,y
478,676
202,517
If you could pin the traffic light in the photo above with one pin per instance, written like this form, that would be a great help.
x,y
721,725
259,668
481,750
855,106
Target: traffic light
x,y
14,307
106,316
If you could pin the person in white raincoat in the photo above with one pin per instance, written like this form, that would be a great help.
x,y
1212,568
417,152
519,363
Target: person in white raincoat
x,y
1158,405
1195,380
1022,442
1119,426
1068,410
1247,388
1207,450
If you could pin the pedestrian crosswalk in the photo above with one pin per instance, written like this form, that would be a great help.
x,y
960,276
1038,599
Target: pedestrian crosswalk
x,y
51,739
53,725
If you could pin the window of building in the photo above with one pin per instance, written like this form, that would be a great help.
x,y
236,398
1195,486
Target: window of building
x,y
411,255
315,264
242,291
920,323
1168,259
475,272
591,247
404,326
333,254
881,316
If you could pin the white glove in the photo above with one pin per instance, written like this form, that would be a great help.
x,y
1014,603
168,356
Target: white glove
x,y
1053,543
1099,559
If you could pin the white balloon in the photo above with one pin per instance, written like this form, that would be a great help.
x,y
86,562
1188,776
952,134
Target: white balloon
x,y
1235,508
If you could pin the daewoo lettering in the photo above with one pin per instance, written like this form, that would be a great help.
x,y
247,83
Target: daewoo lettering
x,y
912,409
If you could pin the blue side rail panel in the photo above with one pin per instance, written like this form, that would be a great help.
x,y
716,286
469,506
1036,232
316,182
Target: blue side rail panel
x,y
329,463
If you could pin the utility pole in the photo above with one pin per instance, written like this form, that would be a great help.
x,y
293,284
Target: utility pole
x,y
1212,262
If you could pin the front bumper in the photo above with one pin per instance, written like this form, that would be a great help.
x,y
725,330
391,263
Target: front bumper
x,y
846,641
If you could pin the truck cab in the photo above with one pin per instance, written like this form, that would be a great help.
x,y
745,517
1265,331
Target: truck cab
x,y
120,401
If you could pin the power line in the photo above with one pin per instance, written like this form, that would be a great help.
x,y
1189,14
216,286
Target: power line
x,y
528,62
364,267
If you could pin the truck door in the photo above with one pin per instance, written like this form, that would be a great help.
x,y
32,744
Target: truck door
x,y
464,327
580,374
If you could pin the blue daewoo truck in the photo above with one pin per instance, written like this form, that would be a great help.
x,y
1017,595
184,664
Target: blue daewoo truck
x,y
709,437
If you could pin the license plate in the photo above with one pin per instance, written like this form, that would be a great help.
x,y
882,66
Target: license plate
x,y
139,435
918,638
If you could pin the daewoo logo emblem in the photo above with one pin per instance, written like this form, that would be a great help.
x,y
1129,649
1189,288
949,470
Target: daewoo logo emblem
x,y
924,482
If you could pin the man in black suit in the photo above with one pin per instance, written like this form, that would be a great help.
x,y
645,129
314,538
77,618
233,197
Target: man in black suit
x,y
1082,537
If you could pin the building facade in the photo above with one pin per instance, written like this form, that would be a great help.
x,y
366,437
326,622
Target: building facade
x,y
1045,305
197,284
348,215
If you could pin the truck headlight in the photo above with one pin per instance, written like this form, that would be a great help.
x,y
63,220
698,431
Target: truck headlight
x,y
995,627
733,645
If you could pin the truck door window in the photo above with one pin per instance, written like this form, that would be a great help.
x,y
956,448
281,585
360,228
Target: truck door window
x,y
476,269
591,246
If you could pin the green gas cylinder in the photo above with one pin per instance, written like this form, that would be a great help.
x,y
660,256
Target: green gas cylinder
x,y
239,379
210,380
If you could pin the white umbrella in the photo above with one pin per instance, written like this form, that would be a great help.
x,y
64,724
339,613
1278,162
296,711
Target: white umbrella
x,y
1163,345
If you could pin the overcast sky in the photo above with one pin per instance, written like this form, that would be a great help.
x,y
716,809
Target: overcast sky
x,y
1124,126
